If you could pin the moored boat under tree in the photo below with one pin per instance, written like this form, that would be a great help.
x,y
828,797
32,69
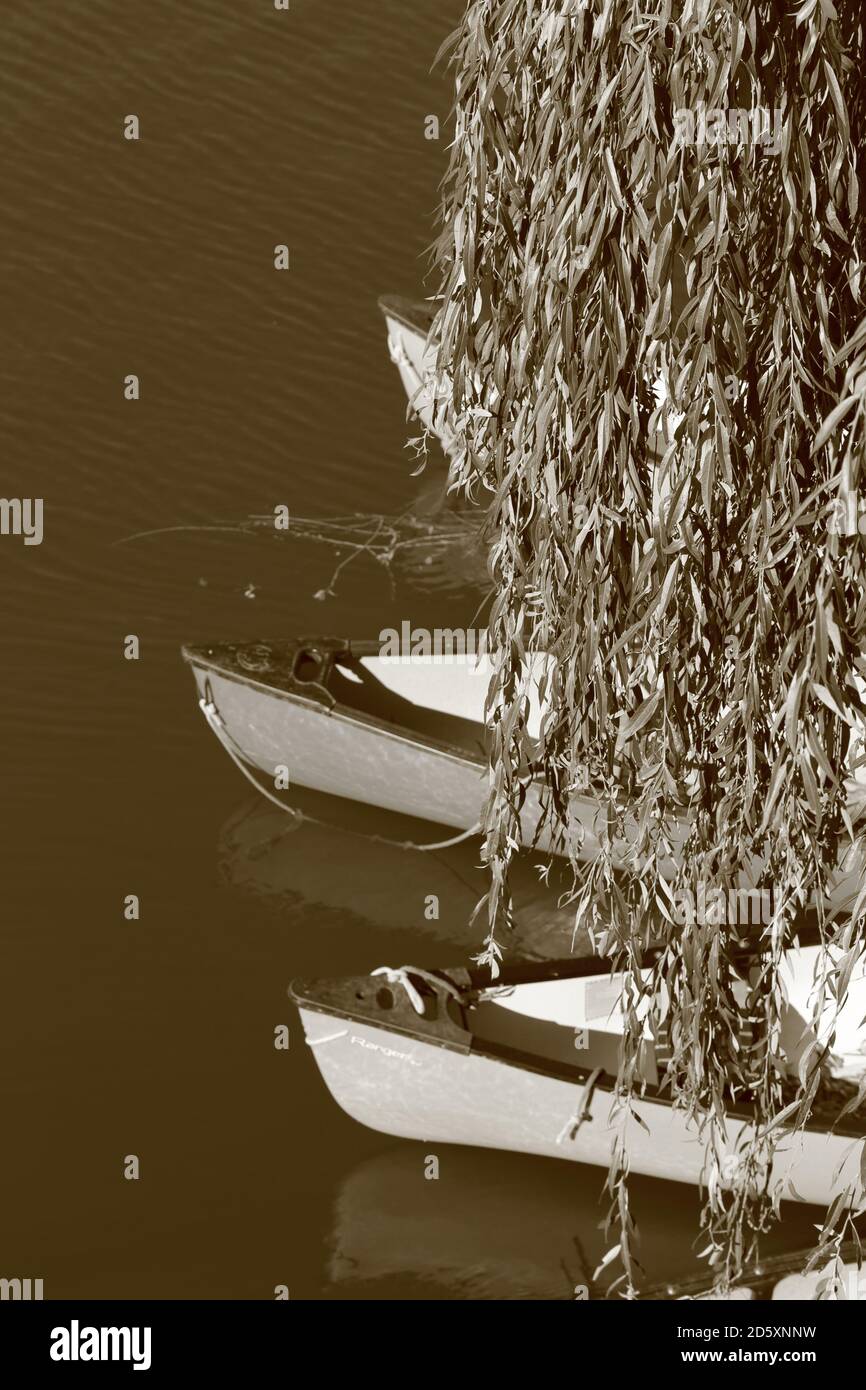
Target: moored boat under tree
x,y
529,1064
406,734
413,351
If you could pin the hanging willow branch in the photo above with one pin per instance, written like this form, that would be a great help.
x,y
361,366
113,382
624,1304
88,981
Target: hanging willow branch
x,y
655,337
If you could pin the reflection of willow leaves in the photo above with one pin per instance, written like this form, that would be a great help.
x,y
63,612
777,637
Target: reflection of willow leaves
x,y
670,548
431,553
437,553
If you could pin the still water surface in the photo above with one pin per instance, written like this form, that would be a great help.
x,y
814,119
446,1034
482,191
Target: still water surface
x,y
155,1038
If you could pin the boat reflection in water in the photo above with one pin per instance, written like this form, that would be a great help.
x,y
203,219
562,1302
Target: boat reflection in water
x,y
503,1226
338,864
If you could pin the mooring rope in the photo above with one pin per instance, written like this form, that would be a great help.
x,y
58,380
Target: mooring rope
x,y
402,976
217,725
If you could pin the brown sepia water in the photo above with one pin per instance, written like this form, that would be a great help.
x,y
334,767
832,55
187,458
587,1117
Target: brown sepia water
x,y
155,1037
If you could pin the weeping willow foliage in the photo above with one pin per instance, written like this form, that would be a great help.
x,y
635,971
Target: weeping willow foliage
x,y
657,359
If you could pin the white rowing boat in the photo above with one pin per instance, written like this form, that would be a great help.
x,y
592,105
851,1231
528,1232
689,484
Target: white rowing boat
x,y
413,350
530,1066
406,734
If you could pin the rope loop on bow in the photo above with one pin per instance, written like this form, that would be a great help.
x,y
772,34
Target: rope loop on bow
x,y
402,975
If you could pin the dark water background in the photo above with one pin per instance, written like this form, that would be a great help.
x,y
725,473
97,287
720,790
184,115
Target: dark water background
x,y
258,388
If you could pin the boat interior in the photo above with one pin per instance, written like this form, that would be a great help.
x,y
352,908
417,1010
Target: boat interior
x,y
443,696
572,1021
440,702
578,1020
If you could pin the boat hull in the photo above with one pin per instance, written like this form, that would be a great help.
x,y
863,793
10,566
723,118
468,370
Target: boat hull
x,y
413,1089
